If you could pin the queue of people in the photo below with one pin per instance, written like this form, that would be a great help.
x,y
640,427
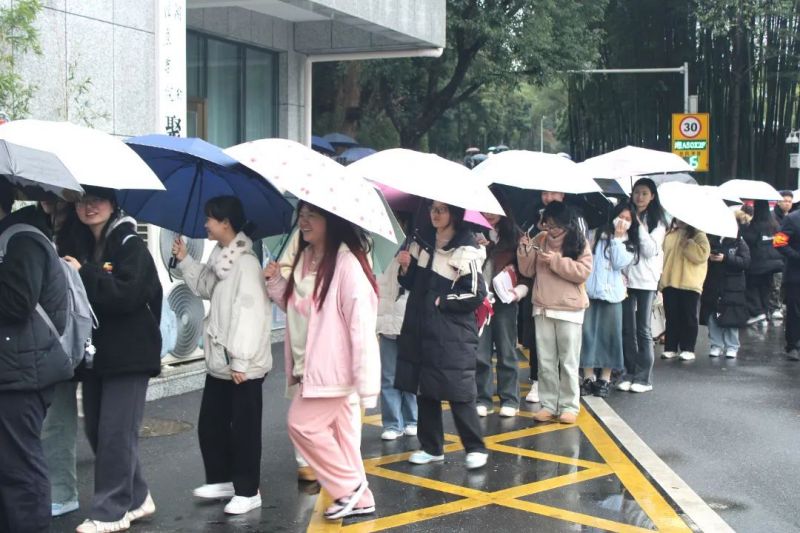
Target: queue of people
x,y
417,336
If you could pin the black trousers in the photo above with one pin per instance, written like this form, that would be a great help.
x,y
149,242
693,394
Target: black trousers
x,y
24,486
113,407
527,334
792,320
758,289
229,430
430,428
681,308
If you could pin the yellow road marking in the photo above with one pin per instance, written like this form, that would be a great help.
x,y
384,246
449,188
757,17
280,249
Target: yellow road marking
x,y
319,524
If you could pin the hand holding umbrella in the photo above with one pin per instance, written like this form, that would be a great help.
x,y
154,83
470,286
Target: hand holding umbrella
x,y
179,251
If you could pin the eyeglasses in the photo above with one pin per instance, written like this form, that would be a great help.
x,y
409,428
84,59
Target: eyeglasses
x,y
87,201
438,210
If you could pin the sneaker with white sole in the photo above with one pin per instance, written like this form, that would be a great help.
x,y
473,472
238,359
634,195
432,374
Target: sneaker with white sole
x,y
508,411
533,394
344,506
96,526
421,457
730,354
756,319
58,509
484,411
624,385
146,509
641,387
777,314
687,356
215,491
243,504
669,355
391,434
476,460
714,351
410,431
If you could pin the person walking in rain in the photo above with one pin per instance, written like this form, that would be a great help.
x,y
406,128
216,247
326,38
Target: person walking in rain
x,y
331,352
439,340
238,356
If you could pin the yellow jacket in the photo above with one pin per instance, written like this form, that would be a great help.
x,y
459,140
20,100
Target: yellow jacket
x,y
685,261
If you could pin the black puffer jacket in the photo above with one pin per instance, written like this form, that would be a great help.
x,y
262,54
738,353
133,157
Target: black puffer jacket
x,y
787,242
31,357
724,288
437,347
764,258
125,292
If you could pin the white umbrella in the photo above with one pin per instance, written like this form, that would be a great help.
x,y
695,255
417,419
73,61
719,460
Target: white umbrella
x,y
36,172
750,190
631,161
536,171
428,176
92,156
318,180
723,195
796,196
699,207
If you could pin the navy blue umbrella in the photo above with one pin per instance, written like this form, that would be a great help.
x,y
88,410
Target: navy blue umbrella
x,y
321,145
340,139
351,155
194,171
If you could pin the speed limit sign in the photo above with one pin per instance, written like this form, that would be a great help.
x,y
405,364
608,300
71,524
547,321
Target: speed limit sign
x,y
691,139
691,127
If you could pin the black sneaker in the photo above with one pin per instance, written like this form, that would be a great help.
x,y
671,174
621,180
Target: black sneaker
x,y
587,387
600,388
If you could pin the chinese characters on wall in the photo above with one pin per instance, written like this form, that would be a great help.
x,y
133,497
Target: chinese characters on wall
x,y
171,66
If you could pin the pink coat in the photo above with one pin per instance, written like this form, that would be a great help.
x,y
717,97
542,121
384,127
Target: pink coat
x,y
342,355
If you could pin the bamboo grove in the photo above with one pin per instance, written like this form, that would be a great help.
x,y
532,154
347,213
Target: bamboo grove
x,y
744,59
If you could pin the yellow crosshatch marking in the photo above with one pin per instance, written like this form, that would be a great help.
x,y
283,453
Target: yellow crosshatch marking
x,y
614,463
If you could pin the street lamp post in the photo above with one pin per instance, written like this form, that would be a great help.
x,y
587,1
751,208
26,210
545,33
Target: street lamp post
x,y
794,138
541,133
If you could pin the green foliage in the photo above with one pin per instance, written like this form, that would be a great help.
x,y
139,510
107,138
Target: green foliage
x,y
18,36
81,109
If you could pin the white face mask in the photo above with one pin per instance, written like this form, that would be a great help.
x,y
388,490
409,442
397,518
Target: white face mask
x,y
625,224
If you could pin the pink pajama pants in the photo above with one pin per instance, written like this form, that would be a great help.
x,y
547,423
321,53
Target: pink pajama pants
x,y
325,432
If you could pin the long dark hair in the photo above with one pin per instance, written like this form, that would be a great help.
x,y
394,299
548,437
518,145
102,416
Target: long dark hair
x,y
763,220
508,232
337,231
606,232
654,212
565,217
228,208
82,238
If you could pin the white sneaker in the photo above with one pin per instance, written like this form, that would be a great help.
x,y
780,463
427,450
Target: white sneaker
x,y
687,356
730,354
777,314
243,504
641,387
669,355
96,526
421,457
508,411
756,319
476,460
483,411
391,434
410,431
146,509
533,395
215,491
714,351
624,386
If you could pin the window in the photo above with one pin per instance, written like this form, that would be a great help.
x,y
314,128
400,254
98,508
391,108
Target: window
x,y
231,89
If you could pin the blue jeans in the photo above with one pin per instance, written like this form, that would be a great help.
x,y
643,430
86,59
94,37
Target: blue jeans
x,y
637,341
59,437
723,338
398,409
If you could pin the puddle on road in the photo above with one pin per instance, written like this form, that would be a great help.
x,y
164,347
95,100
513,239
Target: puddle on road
x,y
162,427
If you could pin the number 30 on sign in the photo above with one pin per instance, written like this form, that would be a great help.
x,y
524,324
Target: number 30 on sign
x,y
690,139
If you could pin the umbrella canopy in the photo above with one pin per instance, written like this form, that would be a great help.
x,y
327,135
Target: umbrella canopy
x,y
321,145
400,201
699,207
351,155
627,182
318,180
750,190
92,156
37,172
340,139
634,161
536,171
726,197
428,176
193,172
796,196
